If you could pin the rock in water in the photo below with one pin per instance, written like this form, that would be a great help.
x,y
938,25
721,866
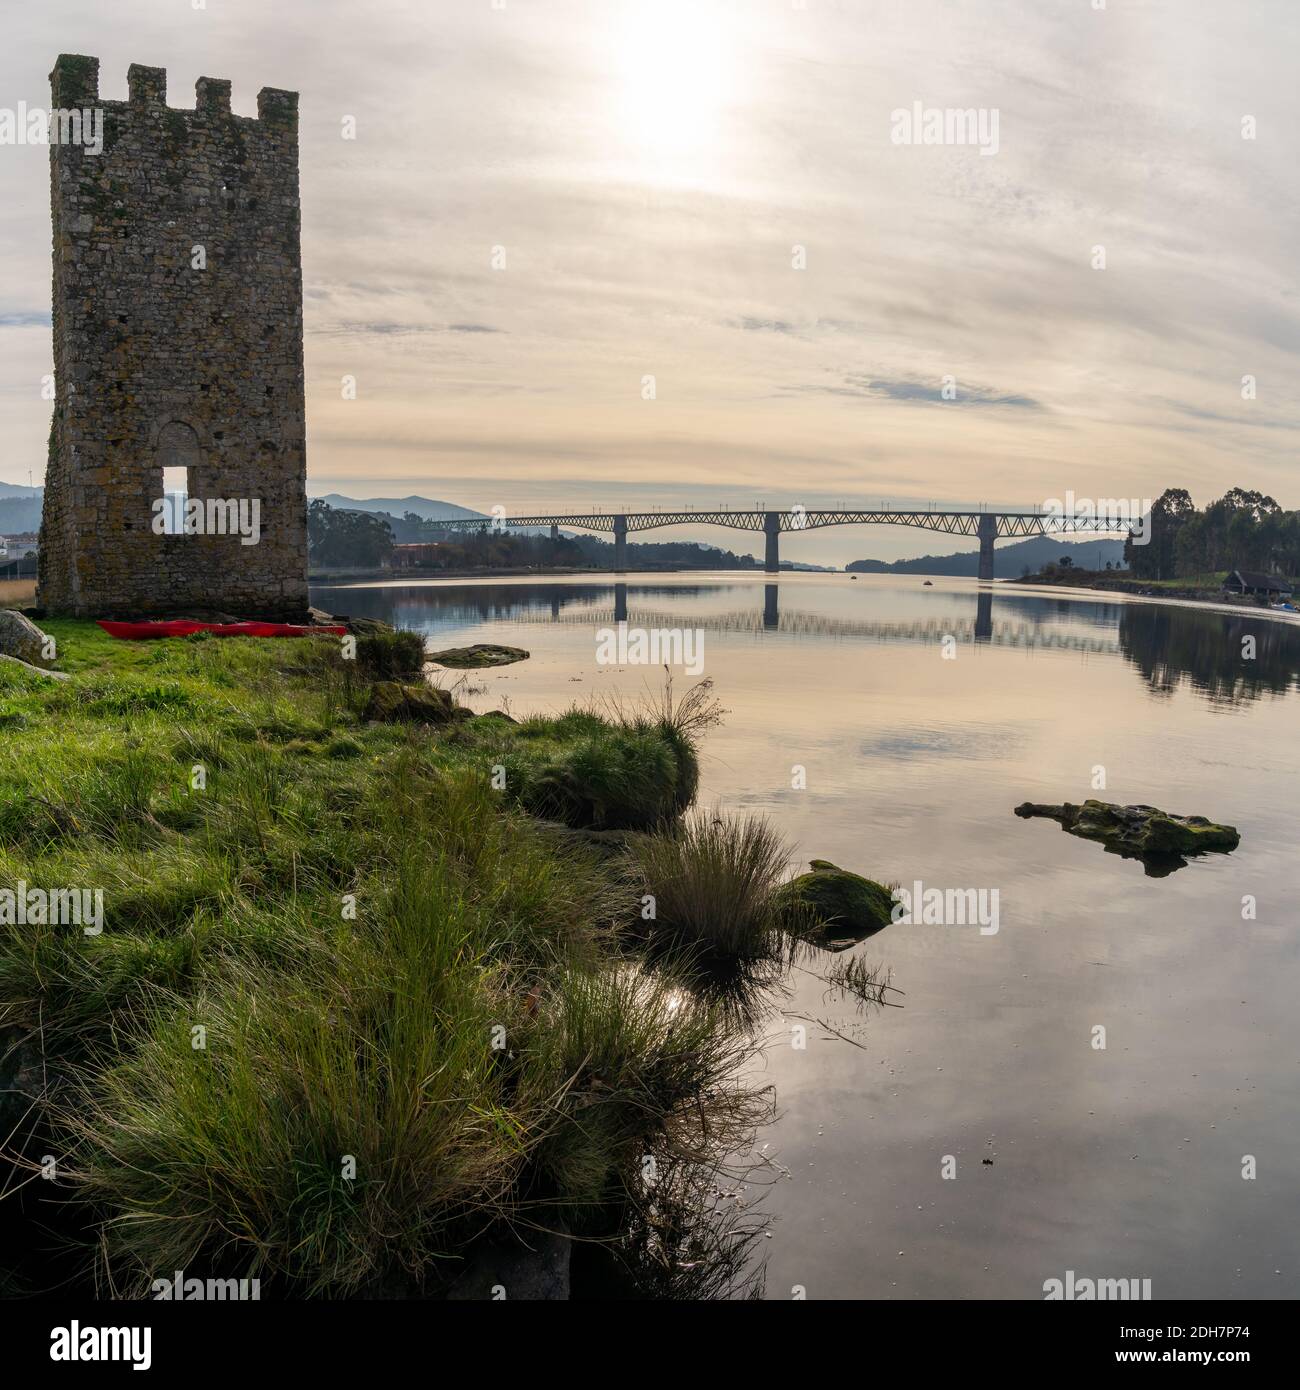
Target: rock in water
x,y
1143,832
833,908
392,703
20,637
479,655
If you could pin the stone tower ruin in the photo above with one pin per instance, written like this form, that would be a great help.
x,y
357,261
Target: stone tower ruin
x,y
178,347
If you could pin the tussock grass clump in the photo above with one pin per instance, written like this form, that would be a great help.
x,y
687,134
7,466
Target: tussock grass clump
x,y
610,767
618,779
713,879
635,1053
340,1120
390,655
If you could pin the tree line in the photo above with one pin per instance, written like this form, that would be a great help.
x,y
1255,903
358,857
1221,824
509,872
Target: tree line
x,y
341,539
1242,530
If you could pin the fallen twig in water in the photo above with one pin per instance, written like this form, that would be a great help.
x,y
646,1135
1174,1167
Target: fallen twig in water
x,y
830,1028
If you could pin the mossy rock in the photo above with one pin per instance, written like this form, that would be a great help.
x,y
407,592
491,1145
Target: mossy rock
x,y
832,907
365,627
392,703
481,654
1138,831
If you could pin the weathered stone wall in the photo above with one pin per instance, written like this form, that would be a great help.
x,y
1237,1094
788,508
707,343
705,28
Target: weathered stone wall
x,y
160,363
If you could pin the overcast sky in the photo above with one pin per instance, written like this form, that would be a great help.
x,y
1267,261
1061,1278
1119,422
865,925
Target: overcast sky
x,y
649,167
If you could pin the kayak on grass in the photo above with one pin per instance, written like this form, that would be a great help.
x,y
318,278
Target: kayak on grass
x,y
184,627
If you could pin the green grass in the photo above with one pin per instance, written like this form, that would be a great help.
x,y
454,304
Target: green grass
x,y
414,1001
390,655
713,882
1190,581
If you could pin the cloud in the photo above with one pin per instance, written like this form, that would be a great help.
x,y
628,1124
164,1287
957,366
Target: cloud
x,y
647,173
766,326
385,329
911,391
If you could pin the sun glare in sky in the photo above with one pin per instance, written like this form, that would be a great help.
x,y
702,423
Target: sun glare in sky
x,y
673,72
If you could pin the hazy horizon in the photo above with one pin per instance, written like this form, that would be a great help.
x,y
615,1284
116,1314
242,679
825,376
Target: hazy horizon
x,y
649,170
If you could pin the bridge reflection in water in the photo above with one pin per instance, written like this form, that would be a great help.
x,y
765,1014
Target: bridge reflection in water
x,y
1169,645
980,627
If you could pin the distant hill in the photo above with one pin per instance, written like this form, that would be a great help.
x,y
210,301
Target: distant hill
x,y
20,513
424,507
14,490
1009,558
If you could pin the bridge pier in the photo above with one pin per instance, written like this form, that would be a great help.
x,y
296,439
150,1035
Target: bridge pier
x,y
620,603
620,543
988,530
772,530
555,532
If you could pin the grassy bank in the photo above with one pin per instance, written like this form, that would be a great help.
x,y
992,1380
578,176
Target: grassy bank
x,y
353,1005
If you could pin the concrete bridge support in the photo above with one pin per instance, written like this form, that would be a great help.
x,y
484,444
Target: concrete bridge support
x,y
620,543
555,532
988,530
620,603
772,530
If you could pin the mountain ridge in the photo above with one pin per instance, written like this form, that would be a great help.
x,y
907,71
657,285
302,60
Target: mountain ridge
x,y
1009,558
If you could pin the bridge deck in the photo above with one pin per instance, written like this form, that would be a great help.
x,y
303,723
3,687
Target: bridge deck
x,y
1007,524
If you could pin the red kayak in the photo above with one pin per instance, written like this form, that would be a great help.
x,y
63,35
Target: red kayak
x,y
183,627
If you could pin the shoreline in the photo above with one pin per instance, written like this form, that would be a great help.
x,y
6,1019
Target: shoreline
x,y
492,571
1186,598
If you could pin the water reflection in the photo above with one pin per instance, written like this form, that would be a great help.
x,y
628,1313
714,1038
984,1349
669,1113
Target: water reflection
x,y
1225,656
1228,658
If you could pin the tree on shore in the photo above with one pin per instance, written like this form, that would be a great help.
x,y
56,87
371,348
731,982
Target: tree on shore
x,y
339,538
1243,529
1169,514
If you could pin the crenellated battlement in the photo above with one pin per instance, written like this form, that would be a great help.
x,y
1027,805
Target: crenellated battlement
x,y
74,83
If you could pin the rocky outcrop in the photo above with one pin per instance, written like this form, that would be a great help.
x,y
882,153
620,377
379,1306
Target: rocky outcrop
x,y
479,655
358,627
21,638
832,907
1142,832
393,703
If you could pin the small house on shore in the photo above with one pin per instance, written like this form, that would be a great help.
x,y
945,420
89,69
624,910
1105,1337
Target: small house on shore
x,y
1256,585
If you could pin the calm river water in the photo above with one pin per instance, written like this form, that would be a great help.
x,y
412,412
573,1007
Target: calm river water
x,y
1119,1162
